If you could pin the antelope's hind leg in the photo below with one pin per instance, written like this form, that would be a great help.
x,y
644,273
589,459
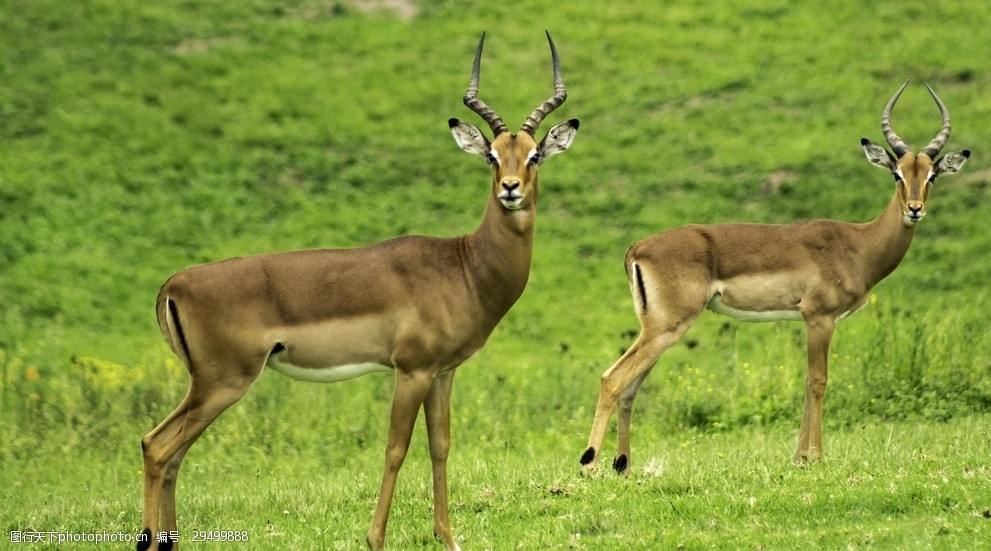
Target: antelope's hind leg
x,y
166,445
621,463
623,379
666,309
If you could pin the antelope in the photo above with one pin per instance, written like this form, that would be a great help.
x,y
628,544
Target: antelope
x,y
816,271
417,306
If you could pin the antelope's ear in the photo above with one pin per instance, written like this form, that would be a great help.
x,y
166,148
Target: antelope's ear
x,y
878,155
557,140
952,162
469,138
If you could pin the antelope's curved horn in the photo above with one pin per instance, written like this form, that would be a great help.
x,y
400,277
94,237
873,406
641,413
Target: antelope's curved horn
x,y
896,143
488,115
939,141
552,103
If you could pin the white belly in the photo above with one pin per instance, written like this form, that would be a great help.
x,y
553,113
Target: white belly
x,y
325,374
717,305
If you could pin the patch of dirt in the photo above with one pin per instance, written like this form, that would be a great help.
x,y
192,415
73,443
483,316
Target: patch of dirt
x,y
404,9
775,180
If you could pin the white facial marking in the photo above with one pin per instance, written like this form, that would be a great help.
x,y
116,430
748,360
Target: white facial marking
x,y
911,220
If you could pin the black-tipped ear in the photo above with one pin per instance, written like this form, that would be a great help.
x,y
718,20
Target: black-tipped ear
x,y
878,155
558,139
952,162
452,122
469,138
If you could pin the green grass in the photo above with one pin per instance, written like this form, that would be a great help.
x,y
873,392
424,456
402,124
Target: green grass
x,y
902,485
137,139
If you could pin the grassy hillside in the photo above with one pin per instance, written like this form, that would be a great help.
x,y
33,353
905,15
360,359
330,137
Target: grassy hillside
x,y
139,138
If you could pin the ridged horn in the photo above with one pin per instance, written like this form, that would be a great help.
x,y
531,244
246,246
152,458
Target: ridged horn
x,y
471,100
552,103
896,143
939,141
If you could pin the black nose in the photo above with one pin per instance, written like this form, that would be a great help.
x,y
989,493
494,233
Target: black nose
x,y
510,186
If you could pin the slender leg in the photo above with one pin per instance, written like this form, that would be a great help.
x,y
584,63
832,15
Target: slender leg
x,y
437,410
820,333
411,388
168,515
623,454
165,446
665,311
633,365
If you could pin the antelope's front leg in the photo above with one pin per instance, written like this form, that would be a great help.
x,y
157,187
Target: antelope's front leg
x,y
820,333
437,411
411,388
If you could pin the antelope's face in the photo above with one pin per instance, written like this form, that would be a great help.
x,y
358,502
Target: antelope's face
x,y
914,174
514,158
914,177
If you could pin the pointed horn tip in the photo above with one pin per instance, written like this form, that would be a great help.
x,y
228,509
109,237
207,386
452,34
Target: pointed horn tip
x,y
478,51
898,92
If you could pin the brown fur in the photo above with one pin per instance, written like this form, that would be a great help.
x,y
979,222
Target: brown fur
x,y
418,305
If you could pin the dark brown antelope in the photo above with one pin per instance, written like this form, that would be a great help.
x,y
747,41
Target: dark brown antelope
x,y
817,272
416,306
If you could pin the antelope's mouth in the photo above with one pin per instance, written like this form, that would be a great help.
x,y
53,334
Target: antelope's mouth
x,y
913,218
511,199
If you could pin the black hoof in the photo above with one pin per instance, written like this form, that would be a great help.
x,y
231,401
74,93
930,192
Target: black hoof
x,y
144,540
620,463
588,456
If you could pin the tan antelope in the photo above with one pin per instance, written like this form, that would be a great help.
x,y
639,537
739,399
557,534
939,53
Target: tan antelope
x,y
816,271
416,306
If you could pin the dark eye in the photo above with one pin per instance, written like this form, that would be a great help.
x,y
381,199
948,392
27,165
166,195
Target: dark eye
x,y
490,158
898,177
535,158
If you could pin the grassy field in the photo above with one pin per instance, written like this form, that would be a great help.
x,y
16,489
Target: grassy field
x,y
140,138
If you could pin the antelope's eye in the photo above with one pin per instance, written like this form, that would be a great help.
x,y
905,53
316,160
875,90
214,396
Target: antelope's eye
x,y
534,159
898,175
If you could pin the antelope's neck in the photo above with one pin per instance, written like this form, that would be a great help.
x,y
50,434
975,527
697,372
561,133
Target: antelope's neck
x,y
887,237
497,255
